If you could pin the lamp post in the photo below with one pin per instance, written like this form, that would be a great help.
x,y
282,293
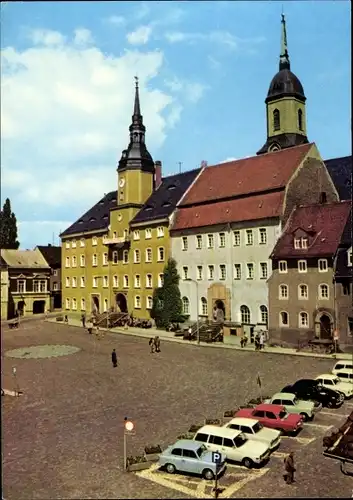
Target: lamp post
x,y
128,430
197,308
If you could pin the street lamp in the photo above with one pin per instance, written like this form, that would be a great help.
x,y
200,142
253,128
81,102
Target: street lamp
x,y
197,307
128,430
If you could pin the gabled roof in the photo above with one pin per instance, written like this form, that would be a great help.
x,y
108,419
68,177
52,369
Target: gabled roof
x,y
223,212
2,263
247,176
95,218
327,222
24,259
340,170
52,254
163,200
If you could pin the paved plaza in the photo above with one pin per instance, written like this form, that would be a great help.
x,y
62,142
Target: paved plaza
x,y
63,437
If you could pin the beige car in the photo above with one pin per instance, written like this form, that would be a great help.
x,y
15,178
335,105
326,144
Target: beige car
x,y
254,430
345,375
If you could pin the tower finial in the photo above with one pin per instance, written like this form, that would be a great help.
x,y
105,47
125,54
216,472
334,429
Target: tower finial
x,y
137,111
284,57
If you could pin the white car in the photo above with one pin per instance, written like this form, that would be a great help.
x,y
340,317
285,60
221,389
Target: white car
x,y
333,382
254,430
345,375
342,365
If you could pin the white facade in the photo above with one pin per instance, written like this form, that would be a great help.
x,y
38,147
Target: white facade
x,y
239,254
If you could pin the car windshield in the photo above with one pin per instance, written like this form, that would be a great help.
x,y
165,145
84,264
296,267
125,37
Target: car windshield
x,y
201,450
336,380
283,414
295,401
239,441
257,427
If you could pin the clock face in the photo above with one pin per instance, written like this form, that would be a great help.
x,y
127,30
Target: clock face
x,y
122,183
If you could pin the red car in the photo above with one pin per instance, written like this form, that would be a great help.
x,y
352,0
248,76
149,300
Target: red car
x,y
273,416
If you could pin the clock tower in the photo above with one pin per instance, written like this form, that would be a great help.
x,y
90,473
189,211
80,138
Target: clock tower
x,y
136,168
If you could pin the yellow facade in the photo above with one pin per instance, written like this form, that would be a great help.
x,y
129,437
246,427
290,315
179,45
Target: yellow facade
x,y
288,108
4,293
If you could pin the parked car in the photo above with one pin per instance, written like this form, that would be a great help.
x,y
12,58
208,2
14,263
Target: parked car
x,y
190,456
233,444
342,365
273,416
345,375
333,382
254,430
310,389
292,404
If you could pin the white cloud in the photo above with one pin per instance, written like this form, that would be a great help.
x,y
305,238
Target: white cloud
x,y
192,91
140,36
223,38
40,232
47,37
115,20
83,36
143,10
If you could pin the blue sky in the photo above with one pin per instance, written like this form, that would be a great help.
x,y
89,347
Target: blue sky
x,y
204,70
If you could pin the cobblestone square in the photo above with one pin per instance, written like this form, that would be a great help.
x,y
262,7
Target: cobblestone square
x,y
63,437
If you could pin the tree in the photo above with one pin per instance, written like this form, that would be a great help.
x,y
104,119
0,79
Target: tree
x,y
8,227
167,305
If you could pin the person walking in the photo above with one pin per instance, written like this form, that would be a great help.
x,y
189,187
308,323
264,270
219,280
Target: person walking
x,y
257,342
289,468
83,319
262,341
151,344
157,343
114,359
66,320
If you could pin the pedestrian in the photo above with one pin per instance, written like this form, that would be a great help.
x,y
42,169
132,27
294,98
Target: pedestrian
x,y
157,343
83,319
289,468
151,344
262,340
257,342
114,359
190,332
66,319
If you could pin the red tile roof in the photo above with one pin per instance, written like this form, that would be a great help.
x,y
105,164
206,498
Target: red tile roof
x,y
324,224
249,175
241,209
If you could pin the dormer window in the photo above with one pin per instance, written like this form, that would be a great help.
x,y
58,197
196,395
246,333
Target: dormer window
x,y
300,243
304,242
349,255
296,243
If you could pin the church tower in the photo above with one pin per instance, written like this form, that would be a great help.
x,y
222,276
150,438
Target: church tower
x,y
285,105
136,168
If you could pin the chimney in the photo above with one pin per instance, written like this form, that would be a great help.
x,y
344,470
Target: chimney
x,y
158,174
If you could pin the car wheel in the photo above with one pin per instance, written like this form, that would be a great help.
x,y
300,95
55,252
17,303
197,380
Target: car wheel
x,y
247,462
208,474
341,397
305,417
170,468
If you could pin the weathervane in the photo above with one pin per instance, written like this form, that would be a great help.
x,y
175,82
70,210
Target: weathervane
x,y
136,81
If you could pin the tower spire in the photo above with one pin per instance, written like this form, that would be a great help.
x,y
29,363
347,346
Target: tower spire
x,y
284,57
137,110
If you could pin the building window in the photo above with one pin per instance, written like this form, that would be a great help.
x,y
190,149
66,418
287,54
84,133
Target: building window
x,y
105,282
211,272
264,272
303,320
186,305
283,318
137,302
160,232
137,257
185,273
249,237
304,242
105,259
115,281
73,243
323,265
104,238
55,287
302,268
136,235
83,305
184,243
323,292
199,273
349,258
250,268
74,261
282,266
95,282
21,286
149,281
262,236
82,242
245,315
300,119
149,302
126,281
55,272
236,238
210,241
303,293
160,280
350,325
67,262
94,241
114,235
276,120
148,234
105,305
74,304
94,259
297,243
67,303
67,282
204,309
82,282
222,272
283,292
160,254
115,257
125,256
137,281
222,240
74,282
346,288
263,315
237,271
148,254
67,244
82,261
40,286
199,241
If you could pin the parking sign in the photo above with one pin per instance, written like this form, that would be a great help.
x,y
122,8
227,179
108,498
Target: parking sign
x,y
216,457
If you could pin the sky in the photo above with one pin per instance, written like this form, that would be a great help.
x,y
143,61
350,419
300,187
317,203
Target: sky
x,y
67,90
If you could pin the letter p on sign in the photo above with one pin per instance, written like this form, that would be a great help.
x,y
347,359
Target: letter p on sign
x,y
216,457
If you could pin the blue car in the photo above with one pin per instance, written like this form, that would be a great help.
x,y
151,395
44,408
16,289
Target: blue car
x,y
191,456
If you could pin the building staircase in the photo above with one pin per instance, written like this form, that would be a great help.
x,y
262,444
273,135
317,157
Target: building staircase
x,y
205,331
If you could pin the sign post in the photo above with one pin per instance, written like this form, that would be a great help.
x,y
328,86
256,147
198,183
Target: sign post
x,y
216,459
128,430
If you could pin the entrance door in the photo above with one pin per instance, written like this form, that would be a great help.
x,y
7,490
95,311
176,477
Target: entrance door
x,y
325,327
21,307
121,302
221,307
95,304
39,307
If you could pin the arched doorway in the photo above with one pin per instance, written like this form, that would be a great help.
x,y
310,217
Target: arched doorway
x,y
121,302
95,304
325,327
39,307
21,307
219,311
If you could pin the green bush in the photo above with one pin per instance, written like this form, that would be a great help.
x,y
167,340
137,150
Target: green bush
x,y
135,460
151,450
